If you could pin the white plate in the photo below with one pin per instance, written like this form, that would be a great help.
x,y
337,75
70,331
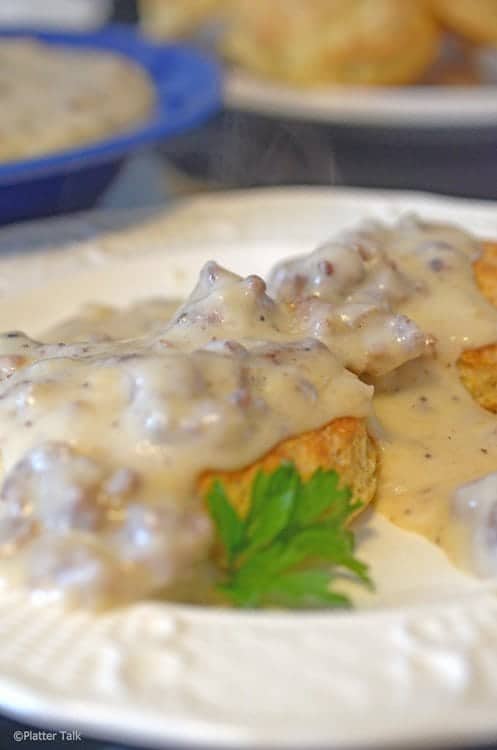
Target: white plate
x,y
416,666
73,14
410,107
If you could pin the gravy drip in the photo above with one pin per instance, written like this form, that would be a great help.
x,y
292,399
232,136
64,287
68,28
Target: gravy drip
x,y
434,437
103,440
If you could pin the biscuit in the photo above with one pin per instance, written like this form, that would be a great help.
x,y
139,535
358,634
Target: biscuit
x,y
478,367
475,20
167,19
319,42
343,445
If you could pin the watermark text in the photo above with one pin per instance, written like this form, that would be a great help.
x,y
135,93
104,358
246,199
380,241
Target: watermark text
x,y
40,735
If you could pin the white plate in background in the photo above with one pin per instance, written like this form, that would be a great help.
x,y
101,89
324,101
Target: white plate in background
x,y
437,106
415,666
63,14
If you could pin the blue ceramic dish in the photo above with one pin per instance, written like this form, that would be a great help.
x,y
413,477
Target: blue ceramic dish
x,y
188,91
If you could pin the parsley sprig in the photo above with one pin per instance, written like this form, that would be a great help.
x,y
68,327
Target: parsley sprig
x,y
292,544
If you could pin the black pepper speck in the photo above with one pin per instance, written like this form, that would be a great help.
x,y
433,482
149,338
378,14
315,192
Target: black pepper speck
x,y
437,264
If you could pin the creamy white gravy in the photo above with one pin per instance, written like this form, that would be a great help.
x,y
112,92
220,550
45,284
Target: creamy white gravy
x,y
436,436
55,98
107,424
106,323
103,441
433,436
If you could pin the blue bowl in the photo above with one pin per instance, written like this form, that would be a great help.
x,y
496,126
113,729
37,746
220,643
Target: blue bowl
x,y
188,90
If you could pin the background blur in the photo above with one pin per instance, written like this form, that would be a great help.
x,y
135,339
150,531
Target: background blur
x,y
247,145
246,149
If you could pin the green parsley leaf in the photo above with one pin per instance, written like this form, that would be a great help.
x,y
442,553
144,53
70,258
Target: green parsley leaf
x,y
307,588
325,544
293,542
229,526
272,502
247,586
315,499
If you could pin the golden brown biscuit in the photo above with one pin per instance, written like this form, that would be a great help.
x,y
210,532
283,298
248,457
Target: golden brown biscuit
x,y
167,19
313,42
478,372
478,367
343,445
485,269
475,20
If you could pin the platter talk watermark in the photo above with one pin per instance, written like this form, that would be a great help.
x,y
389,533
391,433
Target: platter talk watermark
x,y
39,735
